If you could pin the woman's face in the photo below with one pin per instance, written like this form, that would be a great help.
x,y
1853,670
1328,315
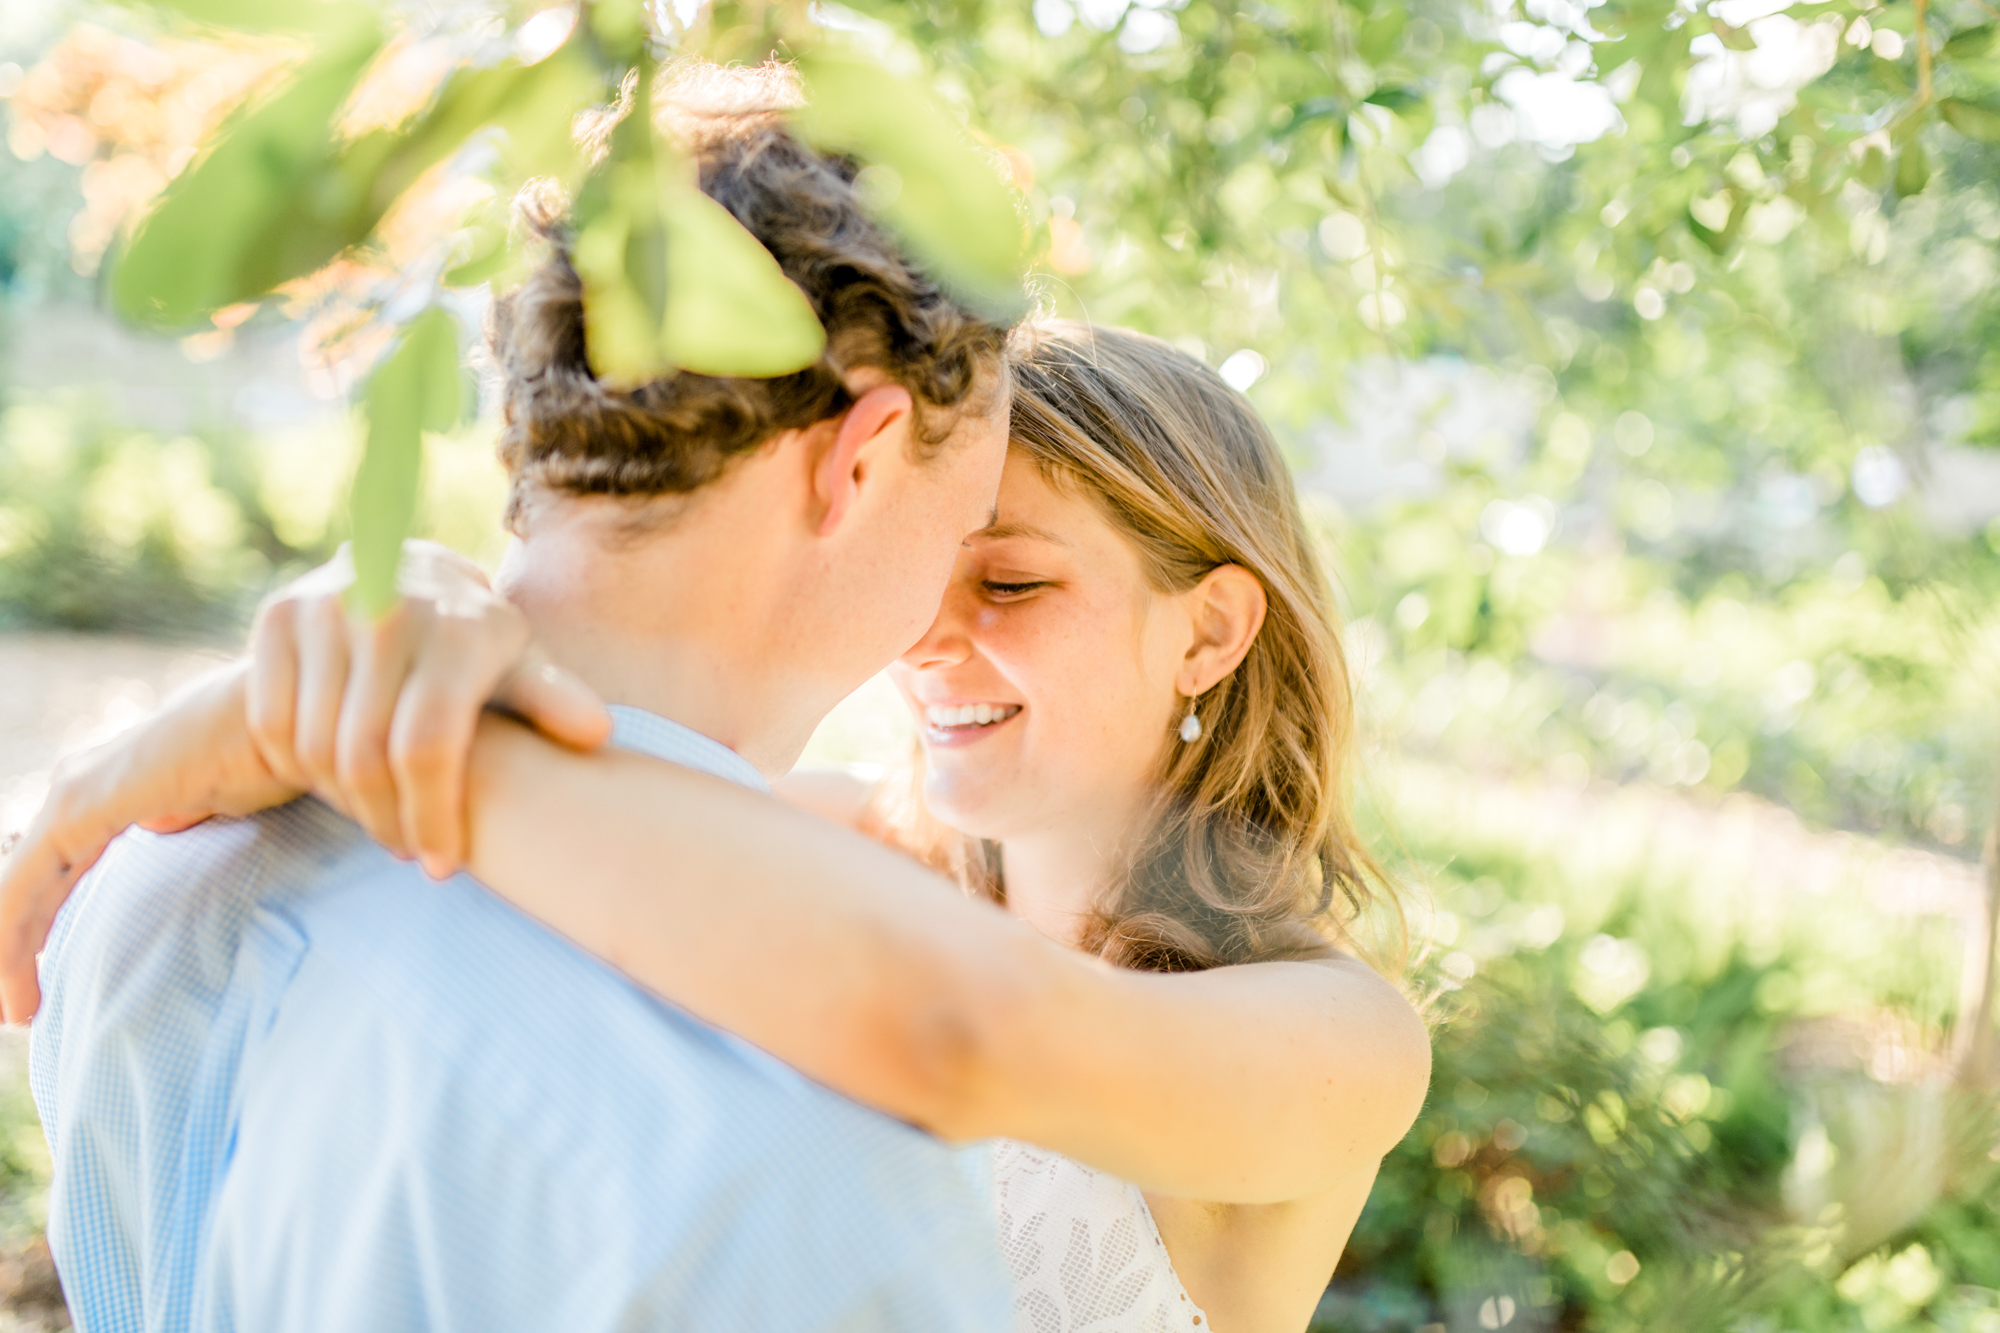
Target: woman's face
x,y
1047,686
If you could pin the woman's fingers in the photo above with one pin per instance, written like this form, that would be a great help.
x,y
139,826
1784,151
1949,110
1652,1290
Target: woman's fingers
x,y
173,823
29,877
33,884
35,880
271,706
556,702
428,749
469,646
378,664
321,631
380,718
438,716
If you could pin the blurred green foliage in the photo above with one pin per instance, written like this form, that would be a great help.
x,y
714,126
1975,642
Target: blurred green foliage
x,y
24,1164
1653,1104
111,528
104,526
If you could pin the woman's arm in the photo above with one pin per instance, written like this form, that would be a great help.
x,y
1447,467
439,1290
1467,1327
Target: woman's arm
x,y
191,759
376,716
1248,1084
831,793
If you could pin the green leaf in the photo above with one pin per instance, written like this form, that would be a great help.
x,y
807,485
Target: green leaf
x,y
1315,109
487,252
1715,240
1395,99
539,113
621,336
1972,44
323,17
620,253
620,27
940,194
730,309
672,281
535,104
1890,77
1913,170
253,212
417,388
1378,35
1975,120
1874,169
275,199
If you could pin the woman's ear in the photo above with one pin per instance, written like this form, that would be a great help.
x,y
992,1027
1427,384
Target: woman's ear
x,y
879,414
1227,609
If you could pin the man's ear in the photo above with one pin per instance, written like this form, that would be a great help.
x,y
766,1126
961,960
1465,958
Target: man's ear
x,y
879,416
1227,608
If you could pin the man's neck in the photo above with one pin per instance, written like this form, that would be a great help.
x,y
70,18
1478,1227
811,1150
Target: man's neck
x,y
668,624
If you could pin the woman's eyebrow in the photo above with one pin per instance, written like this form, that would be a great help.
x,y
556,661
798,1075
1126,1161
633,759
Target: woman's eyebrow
x,y
1002,531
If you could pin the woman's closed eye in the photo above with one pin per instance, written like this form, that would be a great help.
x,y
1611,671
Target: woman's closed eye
x,y
1002,590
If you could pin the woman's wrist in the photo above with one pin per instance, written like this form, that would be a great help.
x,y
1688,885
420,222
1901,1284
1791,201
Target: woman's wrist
x,y
503,753
192,759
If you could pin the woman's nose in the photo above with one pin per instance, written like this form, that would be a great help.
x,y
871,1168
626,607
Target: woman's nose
x,y
946,642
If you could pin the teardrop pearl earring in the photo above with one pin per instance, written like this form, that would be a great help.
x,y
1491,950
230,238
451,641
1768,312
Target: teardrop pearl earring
x,y
1191,724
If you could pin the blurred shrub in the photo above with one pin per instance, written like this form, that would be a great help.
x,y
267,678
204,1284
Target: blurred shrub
x,y
24,1159
1855,696
1642,1118
103,528
108,527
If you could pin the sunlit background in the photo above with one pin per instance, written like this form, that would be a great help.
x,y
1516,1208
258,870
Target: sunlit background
x,y
1638,364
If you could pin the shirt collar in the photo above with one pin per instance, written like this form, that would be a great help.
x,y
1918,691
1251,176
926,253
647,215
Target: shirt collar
x,y
663,738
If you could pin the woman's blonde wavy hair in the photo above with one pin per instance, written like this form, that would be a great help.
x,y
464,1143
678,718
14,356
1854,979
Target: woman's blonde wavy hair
x,y
1252,853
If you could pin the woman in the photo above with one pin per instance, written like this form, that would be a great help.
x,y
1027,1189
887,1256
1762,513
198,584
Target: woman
x,y
1135,729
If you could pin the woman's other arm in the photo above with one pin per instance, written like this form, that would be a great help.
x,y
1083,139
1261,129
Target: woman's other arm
x,y
835,794
191,759
1252,1084
376,716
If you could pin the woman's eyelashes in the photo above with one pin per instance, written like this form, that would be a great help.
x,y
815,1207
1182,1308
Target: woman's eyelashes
x,y
1004,590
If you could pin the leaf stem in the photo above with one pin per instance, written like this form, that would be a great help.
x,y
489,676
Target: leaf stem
x,y
1923,53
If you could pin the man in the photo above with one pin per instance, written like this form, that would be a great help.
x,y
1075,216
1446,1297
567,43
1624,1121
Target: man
x,y
289,1083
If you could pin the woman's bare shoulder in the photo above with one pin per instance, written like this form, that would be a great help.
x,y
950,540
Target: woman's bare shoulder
x,y
1345,985
840,794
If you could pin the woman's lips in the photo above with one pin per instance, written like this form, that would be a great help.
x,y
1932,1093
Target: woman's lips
x,y
960,724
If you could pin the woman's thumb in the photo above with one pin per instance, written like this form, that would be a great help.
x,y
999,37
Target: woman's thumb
x,y
555,702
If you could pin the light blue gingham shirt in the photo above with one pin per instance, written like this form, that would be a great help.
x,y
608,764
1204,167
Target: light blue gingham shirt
x,y
290,1084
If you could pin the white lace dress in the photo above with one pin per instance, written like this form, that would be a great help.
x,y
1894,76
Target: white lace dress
x,y
1084,1251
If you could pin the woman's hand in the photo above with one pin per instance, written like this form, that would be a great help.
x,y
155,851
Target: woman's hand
x,y
378,717
191,759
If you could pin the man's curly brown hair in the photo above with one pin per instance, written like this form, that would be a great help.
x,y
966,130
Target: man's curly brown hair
x,y
567,432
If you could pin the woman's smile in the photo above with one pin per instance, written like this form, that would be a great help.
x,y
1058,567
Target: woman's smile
x,y
955,724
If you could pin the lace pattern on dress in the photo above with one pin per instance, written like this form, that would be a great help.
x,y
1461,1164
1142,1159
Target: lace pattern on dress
x,y
1085,1253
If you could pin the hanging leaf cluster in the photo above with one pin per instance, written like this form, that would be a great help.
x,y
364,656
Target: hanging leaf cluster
x,y
672,280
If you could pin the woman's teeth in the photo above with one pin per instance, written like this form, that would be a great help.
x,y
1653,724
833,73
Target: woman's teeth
x,y
969,715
